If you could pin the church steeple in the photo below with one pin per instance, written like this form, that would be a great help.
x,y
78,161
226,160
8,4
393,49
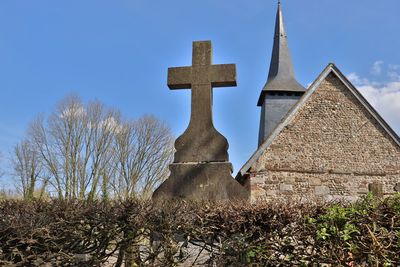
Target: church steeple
x,y
281,90
281,75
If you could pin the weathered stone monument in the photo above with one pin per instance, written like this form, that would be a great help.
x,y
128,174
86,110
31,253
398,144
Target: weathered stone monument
x,y
201,168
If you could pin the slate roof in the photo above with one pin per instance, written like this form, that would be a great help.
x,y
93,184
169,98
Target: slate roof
x,y
281,76
331,68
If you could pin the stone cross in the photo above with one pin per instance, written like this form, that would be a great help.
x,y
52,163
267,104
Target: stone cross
x,y
201,169
201,142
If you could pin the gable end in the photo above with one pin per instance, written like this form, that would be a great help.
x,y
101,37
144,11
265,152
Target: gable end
x,y
330,69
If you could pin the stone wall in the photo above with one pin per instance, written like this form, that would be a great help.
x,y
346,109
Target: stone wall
x,y
333,148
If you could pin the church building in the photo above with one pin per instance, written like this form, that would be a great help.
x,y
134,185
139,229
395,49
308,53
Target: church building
x,y
324,142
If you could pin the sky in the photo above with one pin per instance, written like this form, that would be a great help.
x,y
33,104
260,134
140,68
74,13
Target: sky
x,y
118,52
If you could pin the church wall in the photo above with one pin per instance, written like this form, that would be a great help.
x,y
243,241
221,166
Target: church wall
x,y
333,148
315,186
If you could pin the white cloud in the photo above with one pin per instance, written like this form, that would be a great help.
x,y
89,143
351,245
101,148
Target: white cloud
x,y
377,67
354,78
394,72
357,80
383,96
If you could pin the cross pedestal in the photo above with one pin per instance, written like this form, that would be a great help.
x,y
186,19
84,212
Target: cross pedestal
x,y
201,169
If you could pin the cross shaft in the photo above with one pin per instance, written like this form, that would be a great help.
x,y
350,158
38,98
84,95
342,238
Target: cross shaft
x,y
201,77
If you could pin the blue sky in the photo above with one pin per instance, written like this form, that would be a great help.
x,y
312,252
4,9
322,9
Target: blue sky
x,y
118,52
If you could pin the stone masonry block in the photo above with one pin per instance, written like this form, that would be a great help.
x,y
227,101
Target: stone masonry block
x,y
286,187
322,190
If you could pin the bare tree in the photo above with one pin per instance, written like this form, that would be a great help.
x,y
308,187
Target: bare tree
x,y
28,169
1,170
75,145
88,151
144,149
2,194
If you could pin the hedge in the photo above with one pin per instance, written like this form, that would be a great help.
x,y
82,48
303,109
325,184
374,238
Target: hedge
x,y
135,233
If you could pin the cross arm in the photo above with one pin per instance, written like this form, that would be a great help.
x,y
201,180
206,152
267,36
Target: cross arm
x,y
179,77
223,75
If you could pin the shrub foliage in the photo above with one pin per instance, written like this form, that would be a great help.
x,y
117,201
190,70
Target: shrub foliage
x,y
133,233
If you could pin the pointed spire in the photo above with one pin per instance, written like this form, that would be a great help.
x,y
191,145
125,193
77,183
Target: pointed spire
x,y
281,75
